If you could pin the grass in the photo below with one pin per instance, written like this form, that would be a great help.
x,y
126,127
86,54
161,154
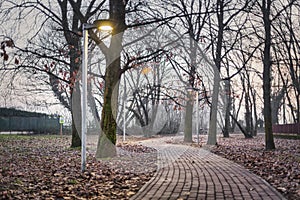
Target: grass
x,y
27,136
287,136
12,136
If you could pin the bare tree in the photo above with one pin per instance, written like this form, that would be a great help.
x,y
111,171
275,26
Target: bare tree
x,y
55,47
59,57
286,50
190,31
270,11
222,17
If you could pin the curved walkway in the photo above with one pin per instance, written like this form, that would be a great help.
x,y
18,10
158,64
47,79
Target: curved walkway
x,y
186,172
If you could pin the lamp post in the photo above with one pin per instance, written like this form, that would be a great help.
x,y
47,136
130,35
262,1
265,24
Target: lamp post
x,y
124,113
104,25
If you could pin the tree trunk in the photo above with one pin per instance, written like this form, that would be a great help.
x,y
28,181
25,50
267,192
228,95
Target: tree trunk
x,y
188,123
227,109
70,26
255,112
106,143
248,114
212,132
76,116
276,100
76,140
153,118
75,95
247,135
107,139
298,108
269,139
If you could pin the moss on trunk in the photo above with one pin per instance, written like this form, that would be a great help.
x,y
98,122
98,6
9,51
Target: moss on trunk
x,y
107,140
76,140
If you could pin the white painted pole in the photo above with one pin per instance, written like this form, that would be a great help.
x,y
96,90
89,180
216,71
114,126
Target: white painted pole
x,y
84,97
197,117
124,126
124,113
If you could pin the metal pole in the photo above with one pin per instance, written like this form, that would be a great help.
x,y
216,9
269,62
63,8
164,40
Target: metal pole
x,y
197,117
124,113
60,131
84,97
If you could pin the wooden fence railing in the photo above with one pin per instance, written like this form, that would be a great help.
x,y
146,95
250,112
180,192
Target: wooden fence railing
x,y
287,128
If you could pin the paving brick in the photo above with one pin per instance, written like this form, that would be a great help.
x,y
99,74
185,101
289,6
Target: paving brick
x,y
186,172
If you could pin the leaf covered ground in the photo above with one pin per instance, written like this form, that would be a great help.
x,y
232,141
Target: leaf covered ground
x,y
44,167
281,167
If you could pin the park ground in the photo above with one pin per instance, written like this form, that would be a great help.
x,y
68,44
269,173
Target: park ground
x,y
44,167
280,167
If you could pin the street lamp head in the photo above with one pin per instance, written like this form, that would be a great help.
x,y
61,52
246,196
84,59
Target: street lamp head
x,y
104,24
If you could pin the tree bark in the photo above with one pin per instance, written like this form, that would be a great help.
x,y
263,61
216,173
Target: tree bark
x,y
227,109
76,116
255,112
106,144
188,123
212,132
73,42
247,135
76,140
267,65
107,139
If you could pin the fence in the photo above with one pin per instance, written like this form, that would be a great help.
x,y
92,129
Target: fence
x,y
12,120
287,128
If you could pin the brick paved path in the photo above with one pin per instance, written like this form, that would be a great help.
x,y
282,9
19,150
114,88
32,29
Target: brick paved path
x,y
186,172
